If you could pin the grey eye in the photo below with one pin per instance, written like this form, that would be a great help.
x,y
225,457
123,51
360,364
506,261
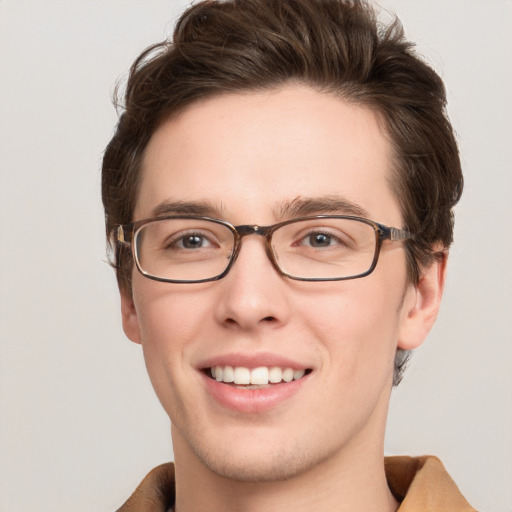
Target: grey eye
x,y
193,241
319,240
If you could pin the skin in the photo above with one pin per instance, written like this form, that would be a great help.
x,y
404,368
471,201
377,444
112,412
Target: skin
x,y
248,155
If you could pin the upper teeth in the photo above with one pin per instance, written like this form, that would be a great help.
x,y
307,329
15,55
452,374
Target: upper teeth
x,y
260,376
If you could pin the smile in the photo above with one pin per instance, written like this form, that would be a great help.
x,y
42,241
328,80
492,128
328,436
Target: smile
x,y
254,383
260,376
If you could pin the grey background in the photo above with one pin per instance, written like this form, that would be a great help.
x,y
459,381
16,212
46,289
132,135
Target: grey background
x,y
79,425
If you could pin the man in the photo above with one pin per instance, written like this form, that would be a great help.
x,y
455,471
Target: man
x,y
279,194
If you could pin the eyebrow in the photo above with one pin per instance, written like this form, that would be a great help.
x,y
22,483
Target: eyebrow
x,y
331,204
298,207
201,208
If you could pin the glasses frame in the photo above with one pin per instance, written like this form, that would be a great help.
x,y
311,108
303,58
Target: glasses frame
x,y
127,233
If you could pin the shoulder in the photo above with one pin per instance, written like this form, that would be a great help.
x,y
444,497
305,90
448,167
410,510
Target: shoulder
x,y
155,493
422,483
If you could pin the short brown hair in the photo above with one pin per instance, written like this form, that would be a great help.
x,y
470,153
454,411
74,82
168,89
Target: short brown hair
x,y
335,46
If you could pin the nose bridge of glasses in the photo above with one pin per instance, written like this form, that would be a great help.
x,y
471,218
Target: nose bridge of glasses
x,y
251,229
254,229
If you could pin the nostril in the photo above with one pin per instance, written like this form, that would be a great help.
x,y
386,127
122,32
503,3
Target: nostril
x,y
268,319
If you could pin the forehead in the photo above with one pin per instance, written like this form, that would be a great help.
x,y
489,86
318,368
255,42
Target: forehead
x,y
249,154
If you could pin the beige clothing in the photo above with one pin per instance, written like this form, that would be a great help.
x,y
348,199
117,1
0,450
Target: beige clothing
x,y
420,484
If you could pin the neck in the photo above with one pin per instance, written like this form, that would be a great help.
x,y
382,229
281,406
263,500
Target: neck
x,y
352,480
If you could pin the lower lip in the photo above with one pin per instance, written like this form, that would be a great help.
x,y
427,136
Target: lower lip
x,y
252,400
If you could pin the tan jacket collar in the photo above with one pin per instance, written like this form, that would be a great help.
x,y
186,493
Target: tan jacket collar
x,y
421,484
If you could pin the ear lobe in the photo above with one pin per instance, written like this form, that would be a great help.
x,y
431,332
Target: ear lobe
x,y
129,316
421,304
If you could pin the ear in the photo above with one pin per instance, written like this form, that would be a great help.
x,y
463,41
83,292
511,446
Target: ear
x,y
129,315
421,304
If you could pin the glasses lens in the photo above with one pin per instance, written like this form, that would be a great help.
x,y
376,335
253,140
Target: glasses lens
x,y
183,249
325,248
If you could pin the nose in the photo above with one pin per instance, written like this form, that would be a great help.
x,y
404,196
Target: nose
x,y
253,294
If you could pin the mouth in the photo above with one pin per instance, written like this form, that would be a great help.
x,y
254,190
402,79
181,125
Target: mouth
x,y
254,383
254,378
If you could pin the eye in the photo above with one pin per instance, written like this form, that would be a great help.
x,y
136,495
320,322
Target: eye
x,y
319,239
190,241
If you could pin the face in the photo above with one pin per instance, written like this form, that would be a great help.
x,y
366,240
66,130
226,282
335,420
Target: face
x,y
249,159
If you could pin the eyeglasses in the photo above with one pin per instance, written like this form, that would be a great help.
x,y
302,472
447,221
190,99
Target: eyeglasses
x,y
192,249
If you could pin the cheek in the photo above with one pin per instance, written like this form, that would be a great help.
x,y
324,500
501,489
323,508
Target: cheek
x,y
170,321
356,323
169,315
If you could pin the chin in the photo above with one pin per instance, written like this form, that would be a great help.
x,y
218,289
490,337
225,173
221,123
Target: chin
x,y
256,464
258,470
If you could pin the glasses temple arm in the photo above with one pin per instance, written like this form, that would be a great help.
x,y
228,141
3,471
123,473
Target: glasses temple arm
x,y
395,234
123,236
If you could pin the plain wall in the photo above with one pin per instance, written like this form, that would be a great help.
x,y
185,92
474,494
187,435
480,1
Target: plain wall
x,y
79,423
